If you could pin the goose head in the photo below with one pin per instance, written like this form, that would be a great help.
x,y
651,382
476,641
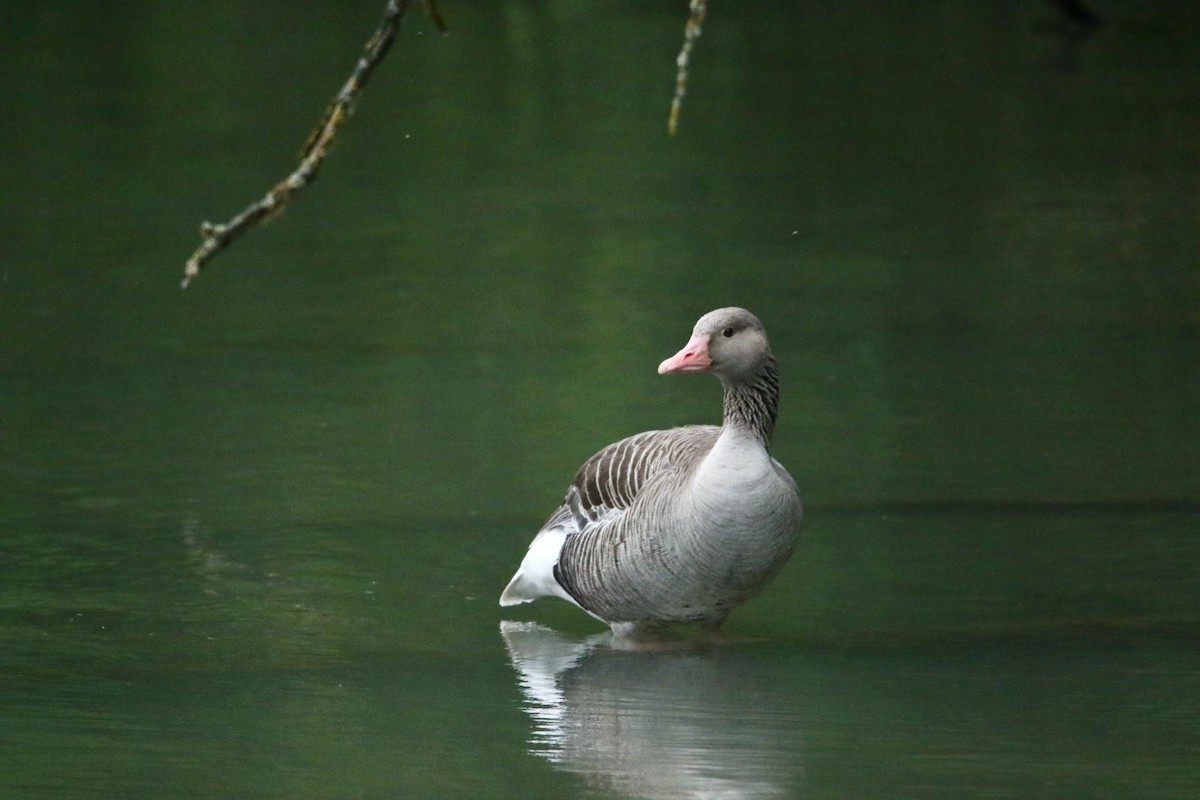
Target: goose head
x,y
729,342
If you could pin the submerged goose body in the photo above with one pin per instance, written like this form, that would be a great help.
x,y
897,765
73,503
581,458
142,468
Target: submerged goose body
x,y
678,525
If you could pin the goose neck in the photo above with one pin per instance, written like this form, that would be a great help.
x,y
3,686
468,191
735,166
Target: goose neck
x,y
751,405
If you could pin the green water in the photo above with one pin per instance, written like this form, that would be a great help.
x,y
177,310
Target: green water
x,y
252,533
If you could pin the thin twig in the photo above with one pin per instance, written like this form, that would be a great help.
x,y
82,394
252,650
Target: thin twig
x,y
218,237
691,32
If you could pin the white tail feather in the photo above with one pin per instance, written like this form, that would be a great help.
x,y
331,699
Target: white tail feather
x,y
535,576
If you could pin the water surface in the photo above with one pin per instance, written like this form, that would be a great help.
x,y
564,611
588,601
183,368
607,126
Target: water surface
x,y
252,534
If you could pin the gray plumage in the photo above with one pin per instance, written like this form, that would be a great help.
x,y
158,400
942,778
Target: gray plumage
x,y
677,525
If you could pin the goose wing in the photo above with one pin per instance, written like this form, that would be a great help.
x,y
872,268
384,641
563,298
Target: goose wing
x,y
604,490
608,483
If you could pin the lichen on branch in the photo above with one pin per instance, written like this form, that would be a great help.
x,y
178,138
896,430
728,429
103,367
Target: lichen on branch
x,y
216,237
697,10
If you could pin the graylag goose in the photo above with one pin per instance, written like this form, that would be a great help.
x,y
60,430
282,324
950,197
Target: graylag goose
x,y
679,525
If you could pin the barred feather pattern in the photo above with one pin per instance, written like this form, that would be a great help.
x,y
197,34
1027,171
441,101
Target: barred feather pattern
x,y
611,480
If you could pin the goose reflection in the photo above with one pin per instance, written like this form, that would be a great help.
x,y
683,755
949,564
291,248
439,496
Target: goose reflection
x,y
702,722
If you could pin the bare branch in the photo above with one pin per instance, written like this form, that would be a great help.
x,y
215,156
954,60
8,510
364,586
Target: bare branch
x,y
218,237
691,32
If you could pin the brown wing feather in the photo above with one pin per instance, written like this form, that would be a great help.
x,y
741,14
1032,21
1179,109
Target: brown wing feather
x,y
607,485
611,479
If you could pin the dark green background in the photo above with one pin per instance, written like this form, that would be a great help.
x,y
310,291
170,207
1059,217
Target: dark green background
x,y
252,533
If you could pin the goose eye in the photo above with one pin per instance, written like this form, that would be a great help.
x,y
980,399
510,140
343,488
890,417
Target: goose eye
x,y
727,332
